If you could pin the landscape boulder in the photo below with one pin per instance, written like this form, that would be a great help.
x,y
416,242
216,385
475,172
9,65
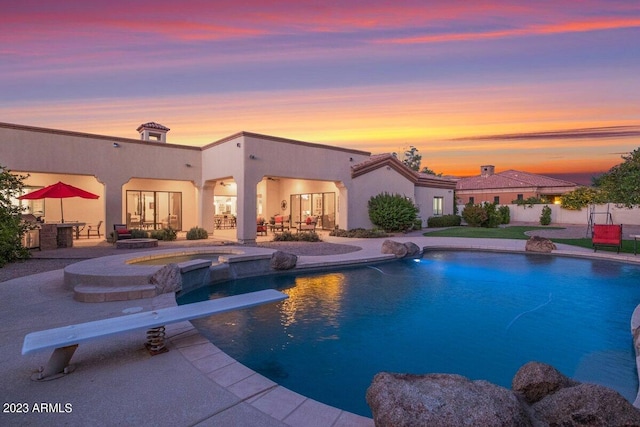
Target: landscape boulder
x,y
167,279
395,248
539,244
535,380
413,250
587,405
283,260
541,396
441,400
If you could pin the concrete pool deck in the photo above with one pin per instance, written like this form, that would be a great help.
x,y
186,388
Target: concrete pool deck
x,y
117,383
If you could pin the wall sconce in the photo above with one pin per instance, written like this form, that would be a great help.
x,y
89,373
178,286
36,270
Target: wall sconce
x,y
188,165
222,183
252,157
116,145
238,145
351,159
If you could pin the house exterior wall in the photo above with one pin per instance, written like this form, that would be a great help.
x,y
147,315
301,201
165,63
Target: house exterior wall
x,y
32,149
249,158
424,200
381,180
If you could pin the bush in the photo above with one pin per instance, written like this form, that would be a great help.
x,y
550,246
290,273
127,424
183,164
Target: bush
x,y
288,236
483,215
545,217
197,233
530,201
166,234
474,215
582,197
12,228
359,233
444,221
139,234
392,212
505,214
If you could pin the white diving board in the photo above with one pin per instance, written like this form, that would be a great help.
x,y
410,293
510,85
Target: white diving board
x,y
65,340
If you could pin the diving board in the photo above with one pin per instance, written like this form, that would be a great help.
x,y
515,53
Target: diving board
x,y
65,340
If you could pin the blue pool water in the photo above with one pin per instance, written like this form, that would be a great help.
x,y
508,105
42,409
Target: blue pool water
x,y
481,315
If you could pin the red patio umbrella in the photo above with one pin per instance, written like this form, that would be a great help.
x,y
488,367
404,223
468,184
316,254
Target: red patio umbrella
x,y
60,190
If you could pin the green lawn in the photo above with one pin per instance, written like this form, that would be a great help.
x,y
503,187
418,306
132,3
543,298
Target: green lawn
x,y
517,232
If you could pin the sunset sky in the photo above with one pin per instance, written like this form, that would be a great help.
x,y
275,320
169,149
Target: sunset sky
x,y
540,86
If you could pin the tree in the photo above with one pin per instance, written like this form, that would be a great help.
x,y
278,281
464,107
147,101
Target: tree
x,y
621,184
412,159
11,226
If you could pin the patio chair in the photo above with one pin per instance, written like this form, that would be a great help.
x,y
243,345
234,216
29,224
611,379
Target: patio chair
x,y
94,229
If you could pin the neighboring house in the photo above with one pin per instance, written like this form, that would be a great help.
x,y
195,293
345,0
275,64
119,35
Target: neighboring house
x,y
151,184
505,187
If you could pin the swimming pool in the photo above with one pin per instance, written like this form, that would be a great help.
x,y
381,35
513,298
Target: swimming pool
x,y
481,315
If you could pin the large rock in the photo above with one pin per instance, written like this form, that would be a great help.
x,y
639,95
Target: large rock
x,y
442,400
587,405
539,244
535,380
167,279
413,250
283,260
395,248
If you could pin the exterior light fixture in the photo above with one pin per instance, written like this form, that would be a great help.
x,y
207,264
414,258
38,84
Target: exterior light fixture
x,y
252,157
188,165
116,145
238,145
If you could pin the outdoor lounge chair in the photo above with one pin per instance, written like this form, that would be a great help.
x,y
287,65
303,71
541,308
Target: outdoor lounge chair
x,y
607,235
121,231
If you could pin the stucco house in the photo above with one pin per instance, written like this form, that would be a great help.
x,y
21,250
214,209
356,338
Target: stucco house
x,y
151,183
507,186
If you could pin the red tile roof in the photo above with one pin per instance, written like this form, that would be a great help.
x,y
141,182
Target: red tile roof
x,y
510,179
377,161
153,125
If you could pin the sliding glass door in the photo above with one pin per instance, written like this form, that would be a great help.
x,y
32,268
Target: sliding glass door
x,y
154,210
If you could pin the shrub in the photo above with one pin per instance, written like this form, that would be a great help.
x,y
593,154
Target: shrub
x,y
505,214
545,217
582,197
197,233
392,212
530,201
288,236
494,218
139,234
166,234
474,215
359,233
12,228
444,221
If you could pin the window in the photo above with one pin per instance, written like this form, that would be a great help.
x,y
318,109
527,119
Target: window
x,y
154,210
472,200
496,200
322,206
437,205
520,197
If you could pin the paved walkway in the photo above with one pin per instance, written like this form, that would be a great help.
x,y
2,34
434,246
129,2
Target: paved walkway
x,y
117,383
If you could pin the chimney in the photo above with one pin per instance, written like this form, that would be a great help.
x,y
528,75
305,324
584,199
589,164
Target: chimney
x,y
487,170
153,132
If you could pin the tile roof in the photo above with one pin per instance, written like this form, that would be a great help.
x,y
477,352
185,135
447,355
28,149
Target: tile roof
x,y
510,179
377,161
153,125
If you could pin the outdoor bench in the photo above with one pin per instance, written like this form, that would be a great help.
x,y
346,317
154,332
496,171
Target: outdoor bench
x,y
65,340
607,235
